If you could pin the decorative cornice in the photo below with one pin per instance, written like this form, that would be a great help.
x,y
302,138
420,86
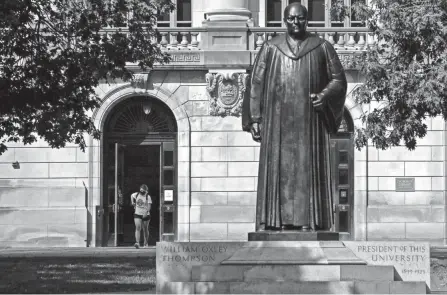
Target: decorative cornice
x,y
226,93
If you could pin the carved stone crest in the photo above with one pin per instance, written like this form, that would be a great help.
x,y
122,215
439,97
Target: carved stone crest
x,y
226,93
140,80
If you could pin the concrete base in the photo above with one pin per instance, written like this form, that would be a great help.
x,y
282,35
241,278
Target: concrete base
x,y
286,252
293,236
276,267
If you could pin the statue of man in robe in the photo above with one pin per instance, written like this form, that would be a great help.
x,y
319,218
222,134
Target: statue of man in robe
x,y
297,96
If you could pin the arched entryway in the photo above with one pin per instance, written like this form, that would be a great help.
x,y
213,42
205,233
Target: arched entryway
x,y
139,146
342,157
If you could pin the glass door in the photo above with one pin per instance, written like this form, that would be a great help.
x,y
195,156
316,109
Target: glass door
x,y
168,192
343,187
118,192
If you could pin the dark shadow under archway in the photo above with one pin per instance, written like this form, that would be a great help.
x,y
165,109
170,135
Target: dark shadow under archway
x,y
139,147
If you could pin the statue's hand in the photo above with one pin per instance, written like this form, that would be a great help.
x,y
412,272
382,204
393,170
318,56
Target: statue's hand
x,y
318,101
256,132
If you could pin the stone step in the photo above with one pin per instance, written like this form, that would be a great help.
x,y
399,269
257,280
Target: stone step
x,y
347,287
291,273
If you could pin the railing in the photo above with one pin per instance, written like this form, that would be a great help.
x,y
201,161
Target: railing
x,y
188,38
341,38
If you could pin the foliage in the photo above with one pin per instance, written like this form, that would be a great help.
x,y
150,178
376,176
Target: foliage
x,y
406,73
53,53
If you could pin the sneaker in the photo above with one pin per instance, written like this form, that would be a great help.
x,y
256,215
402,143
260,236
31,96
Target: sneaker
x,y
146,246
137,245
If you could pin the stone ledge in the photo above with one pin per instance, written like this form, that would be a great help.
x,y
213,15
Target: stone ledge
x,y
347,287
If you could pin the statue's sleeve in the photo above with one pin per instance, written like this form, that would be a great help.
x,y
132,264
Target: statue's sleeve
x,y
335,91
252,105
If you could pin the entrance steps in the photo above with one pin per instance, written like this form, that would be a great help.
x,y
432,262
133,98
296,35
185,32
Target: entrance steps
x,y
299,279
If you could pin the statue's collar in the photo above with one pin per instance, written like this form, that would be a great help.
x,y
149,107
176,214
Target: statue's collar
x,y
311,42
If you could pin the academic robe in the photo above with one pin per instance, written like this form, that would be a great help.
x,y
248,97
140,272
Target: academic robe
x,y
294,180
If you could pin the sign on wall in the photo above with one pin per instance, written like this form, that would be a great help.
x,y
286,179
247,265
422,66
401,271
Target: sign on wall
x,y
405,184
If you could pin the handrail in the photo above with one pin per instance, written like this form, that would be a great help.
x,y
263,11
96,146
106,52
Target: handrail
x,y
189,38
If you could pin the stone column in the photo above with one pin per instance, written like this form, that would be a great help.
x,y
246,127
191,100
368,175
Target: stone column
x,y
227,10
227,23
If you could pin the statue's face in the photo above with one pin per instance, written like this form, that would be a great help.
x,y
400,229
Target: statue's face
x,y
296,20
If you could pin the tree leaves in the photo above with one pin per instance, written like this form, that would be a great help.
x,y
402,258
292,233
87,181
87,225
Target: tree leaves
x,y
53,53
407,70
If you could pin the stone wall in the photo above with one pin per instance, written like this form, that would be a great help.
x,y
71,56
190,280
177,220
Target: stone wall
x,y
418,215
223,174
43,202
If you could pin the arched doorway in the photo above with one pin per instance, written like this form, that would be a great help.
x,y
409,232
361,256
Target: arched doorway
x,y
342,157
139,147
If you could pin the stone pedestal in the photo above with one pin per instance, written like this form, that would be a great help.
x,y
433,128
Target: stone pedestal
x,y
293,236
274,267
296,253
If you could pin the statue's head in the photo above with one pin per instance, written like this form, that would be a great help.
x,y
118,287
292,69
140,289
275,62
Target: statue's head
x,y
295,18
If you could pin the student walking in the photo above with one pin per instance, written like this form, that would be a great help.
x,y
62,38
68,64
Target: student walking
x,y
142,203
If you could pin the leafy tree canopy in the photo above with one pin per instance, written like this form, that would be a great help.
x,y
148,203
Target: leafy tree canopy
x,y
406,73
53,53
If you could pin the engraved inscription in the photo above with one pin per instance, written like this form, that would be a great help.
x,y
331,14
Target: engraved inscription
x,y
192,253
411,260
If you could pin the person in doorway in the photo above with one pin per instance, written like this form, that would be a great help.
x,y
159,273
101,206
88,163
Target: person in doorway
x,y
142,203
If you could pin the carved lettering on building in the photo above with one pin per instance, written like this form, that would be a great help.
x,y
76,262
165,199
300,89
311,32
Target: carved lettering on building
x,y
186,58
226,93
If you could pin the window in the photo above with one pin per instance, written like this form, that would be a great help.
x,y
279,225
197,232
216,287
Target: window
x,y
180,17
352,21
275,10
317,9
184,13
317,13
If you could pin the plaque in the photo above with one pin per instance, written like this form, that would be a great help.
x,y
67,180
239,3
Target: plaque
x,y
405,184
169,195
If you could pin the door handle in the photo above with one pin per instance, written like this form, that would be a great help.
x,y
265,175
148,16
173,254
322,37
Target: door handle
x,y
100,212
343,208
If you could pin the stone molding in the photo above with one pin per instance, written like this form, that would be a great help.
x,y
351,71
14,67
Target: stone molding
x,y
226,93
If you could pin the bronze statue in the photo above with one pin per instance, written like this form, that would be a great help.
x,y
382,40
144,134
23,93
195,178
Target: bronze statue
x,y
298,89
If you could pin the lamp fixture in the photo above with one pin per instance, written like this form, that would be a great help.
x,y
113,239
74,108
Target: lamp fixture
x,y
147,107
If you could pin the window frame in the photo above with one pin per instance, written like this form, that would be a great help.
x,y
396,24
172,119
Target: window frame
x,y
173,22
327,22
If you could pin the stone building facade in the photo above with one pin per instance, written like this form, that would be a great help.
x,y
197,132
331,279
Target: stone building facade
x,y
178,129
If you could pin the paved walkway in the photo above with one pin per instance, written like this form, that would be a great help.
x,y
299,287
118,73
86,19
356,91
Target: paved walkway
x,y
77,252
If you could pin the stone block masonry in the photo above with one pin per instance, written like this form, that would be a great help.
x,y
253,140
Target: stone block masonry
x,y
44,202
417,215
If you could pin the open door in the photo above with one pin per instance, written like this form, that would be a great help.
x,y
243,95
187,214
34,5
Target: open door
x,y
119,186
113,203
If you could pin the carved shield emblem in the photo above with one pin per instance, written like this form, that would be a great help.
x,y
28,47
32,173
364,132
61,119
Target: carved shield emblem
x,y
228,93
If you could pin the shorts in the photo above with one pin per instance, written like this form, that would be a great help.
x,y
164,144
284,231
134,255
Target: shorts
x,y
147,218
